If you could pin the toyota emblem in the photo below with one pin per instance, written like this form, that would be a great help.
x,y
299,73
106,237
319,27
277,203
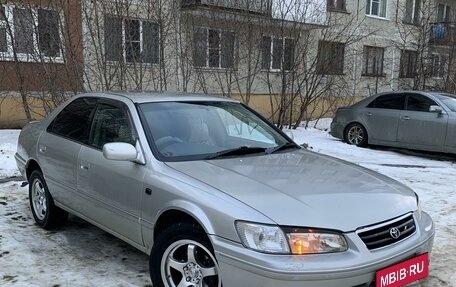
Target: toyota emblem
x,y
395,233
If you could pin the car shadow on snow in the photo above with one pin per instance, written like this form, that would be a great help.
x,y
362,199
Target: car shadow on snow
x,y
439,156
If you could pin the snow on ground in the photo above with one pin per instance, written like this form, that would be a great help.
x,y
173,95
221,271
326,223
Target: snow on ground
x,y
8,144
80,254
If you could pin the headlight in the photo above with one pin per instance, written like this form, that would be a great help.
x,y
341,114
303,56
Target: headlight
x,y
263,238
308,241
272,239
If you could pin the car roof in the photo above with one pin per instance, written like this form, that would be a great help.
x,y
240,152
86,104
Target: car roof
x,y
148,97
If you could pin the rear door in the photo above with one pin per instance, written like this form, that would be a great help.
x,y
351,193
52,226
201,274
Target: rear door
x,y
112,188
419,126
382,117
59,147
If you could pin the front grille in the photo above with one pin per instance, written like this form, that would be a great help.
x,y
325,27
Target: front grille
x,y
387,233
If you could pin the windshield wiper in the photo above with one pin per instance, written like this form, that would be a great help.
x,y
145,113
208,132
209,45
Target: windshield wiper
x,y
284,146
237,151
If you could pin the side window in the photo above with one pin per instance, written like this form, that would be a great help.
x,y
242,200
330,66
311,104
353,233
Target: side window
x,y
73,121
110,124
419,103
390,101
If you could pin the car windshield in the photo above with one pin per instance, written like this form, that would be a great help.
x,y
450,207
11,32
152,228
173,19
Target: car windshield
x,y
449,100
197,130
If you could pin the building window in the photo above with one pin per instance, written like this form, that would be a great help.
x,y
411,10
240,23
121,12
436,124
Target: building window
x,y
213,48
412,12
3,26
336,5
408,64
277,53
439,65
35,33
131,40
376,8
443,13
373,61
330,58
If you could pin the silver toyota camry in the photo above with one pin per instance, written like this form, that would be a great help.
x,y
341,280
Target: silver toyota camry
x,y
216,195
406,119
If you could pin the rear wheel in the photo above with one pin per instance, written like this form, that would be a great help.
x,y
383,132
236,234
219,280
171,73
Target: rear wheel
x,y
182,256
356,134
46,214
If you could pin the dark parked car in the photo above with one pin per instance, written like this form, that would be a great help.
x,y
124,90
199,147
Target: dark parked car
x,y
215,194
407,119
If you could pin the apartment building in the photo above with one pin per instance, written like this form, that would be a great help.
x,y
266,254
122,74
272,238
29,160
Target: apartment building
x,y
388,45
288,59
40,56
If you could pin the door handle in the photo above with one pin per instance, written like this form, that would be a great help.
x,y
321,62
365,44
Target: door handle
x,y
406,118
369,114
84,165
42,149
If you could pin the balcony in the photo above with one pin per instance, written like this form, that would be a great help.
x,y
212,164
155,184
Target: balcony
x,y
261,7
442,34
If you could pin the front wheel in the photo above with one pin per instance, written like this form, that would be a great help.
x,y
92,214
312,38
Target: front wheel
x,y
182,256
46,214
356,134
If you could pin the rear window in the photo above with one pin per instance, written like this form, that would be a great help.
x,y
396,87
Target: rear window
x,y
390,101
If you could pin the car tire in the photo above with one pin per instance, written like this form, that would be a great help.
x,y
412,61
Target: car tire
x,y
183,252
356,134
45,213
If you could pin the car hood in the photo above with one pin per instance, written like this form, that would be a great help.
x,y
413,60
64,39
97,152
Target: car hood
x,y
306,189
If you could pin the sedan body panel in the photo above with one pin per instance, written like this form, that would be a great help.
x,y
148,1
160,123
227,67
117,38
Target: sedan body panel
x,y
298,181
432,125
112,191
381,124
58,160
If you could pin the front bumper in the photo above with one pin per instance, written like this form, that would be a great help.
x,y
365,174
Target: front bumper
x,y
241,267
20,162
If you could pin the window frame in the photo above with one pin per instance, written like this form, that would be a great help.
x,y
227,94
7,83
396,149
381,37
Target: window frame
x,y
271,53
333,51
332,5
409,95
124,44
37,54
442,66
373,104
447,11
415,14
410,71
220,32
51,130
367,73
382,5
116,104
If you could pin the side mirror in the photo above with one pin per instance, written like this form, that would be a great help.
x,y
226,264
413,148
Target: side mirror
x,y
435,109
120,151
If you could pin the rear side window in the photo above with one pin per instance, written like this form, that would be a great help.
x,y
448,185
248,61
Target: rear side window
x,y
73,121
419,103
391,101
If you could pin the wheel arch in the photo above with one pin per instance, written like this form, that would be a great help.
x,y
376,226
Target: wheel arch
x,y
355,122
32,165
